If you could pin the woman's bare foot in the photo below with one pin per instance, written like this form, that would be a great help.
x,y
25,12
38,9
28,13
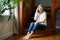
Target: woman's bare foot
x,y
26,37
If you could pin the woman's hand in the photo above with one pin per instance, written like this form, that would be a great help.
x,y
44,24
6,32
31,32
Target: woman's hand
x,y
37,22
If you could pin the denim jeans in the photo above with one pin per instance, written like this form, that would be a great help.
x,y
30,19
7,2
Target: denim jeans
x,y
33,27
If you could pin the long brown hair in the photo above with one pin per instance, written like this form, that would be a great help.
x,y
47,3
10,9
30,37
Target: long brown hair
x,y
41,6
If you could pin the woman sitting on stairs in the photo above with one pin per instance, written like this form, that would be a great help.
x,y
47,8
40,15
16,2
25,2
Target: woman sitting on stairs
x,y
40,18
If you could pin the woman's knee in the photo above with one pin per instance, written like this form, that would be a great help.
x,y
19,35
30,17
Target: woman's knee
x,y
32,22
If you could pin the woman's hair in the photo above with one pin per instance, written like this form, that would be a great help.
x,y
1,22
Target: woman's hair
x,y
41,6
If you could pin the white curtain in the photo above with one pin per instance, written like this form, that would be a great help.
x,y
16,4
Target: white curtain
x,y
15,21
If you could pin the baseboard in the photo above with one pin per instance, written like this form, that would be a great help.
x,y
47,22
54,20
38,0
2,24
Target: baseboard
x,y
6,35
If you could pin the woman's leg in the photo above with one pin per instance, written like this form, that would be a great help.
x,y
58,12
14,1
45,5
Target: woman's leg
x,y
30,27
32,31
34,28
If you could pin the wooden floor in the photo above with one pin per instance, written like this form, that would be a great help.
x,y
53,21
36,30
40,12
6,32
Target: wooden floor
x,y
49,37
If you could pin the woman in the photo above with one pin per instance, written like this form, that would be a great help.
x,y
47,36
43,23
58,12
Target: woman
x,y
40,18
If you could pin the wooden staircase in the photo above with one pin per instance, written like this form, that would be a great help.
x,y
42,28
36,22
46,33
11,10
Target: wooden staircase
x,y
27,17
38,32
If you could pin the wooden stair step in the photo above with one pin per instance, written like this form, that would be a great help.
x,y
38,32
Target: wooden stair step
x,y
39,33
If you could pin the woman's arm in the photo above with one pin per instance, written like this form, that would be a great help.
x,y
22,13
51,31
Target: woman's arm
x,y
40,22
42,19
35,16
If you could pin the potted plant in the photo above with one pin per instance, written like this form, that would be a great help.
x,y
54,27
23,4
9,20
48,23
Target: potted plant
x,y
7,5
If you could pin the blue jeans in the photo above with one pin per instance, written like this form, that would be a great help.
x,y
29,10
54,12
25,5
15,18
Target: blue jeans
x,y
33,27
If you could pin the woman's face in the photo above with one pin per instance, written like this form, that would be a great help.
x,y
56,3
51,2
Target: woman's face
x,y
40,8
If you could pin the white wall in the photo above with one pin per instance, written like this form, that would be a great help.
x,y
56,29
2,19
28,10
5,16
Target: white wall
x,y
6,28
44,2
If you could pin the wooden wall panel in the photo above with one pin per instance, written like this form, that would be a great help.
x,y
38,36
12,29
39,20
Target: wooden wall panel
x,y
55,5
20,17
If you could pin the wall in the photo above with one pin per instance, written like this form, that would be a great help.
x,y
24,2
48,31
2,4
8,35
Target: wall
x,y
6,28
44,2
